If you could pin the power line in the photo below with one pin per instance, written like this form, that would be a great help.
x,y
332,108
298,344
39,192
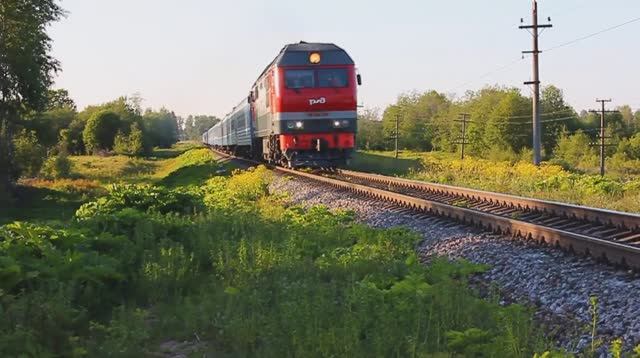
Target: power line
x,y
487,74
548,120
541,114
593,34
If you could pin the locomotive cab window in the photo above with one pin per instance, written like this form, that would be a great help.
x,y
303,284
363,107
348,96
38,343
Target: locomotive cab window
x,y
336,77
299,79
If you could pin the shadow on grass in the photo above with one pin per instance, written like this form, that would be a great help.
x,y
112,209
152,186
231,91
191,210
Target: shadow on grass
x,y
175,151
381,164
137,167
41,205
194,175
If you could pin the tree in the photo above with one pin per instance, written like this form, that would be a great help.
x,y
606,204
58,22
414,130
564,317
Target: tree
x,y
500,120
370,132
72,137
557,116
194,126
416,113
136,140
126,108
100,131
161,127
26,69
29,154
575,150
121,143
59,99
132,144
48,124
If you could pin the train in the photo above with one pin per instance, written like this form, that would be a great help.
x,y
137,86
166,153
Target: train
x,y
300,112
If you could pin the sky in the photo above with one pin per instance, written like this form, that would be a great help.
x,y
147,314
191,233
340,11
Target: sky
x,y
201,56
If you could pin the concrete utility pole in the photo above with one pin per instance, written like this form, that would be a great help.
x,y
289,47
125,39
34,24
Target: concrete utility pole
x,y
397,134
464,120
537,129
602,143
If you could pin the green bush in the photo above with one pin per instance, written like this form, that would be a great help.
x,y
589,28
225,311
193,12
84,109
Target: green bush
x,y
29,153
121,144
132,144
576,151
100,131
145,198
57,166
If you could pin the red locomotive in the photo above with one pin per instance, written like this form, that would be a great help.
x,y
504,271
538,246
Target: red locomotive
x,y
301,112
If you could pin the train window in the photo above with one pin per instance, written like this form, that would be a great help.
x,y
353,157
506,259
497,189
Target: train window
x,y
336,77
299,78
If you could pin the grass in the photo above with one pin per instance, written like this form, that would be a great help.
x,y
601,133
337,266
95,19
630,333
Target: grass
x,y
40,200
550,182
40,204
217,263
234,271
177,149
120,168
115,168
384,163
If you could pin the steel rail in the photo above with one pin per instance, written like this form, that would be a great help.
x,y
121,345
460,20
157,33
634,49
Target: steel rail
x,y
601,216
561,225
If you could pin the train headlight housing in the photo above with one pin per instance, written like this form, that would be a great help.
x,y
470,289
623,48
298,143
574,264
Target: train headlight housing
x,y
299,125
314,57
291,125
341,124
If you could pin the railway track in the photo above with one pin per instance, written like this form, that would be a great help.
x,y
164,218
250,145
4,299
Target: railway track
x,y
603,234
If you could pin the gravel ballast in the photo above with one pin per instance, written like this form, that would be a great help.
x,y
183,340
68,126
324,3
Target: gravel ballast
x,y
559,285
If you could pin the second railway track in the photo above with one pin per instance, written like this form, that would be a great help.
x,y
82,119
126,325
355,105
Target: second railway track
x,y
603,234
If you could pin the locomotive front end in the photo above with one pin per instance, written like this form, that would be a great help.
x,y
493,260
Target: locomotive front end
x,y
315,117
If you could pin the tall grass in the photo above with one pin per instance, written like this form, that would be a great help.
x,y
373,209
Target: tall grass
x,y
257,278
517,177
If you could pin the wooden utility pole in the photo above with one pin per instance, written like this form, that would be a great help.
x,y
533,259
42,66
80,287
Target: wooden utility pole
x,y
537,129
397,134
602,143
464,118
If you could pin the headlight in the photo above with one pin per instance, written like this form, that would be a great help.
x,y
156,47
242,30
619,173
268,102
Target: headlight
x,y
291,125
341,124
299,125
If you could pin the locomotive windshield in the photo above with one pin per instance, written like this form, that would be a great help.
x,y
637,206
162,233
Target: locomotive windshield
x,y
335,77
299,79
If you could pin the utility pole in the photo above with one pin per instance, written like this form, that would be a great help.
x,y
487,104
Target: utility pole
x,y
602,143
397,134
537,129
464,120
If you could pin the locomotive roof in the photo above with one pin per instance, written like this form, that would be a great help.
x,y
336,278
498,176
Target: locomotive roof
x,y
283,60
310,47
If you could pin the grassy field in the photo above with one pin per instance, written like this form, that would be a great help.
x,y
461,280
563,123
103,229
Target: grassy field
x,y
189,260
45,200
551,182
120,168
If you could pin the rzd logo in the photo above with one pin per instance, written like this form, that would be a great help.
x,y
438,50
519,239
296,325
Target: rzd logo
x,y
320,100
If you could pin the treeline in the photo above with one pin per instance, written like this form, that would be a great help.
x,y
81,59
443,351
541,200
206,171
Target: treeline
x,y
500,126
118,127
